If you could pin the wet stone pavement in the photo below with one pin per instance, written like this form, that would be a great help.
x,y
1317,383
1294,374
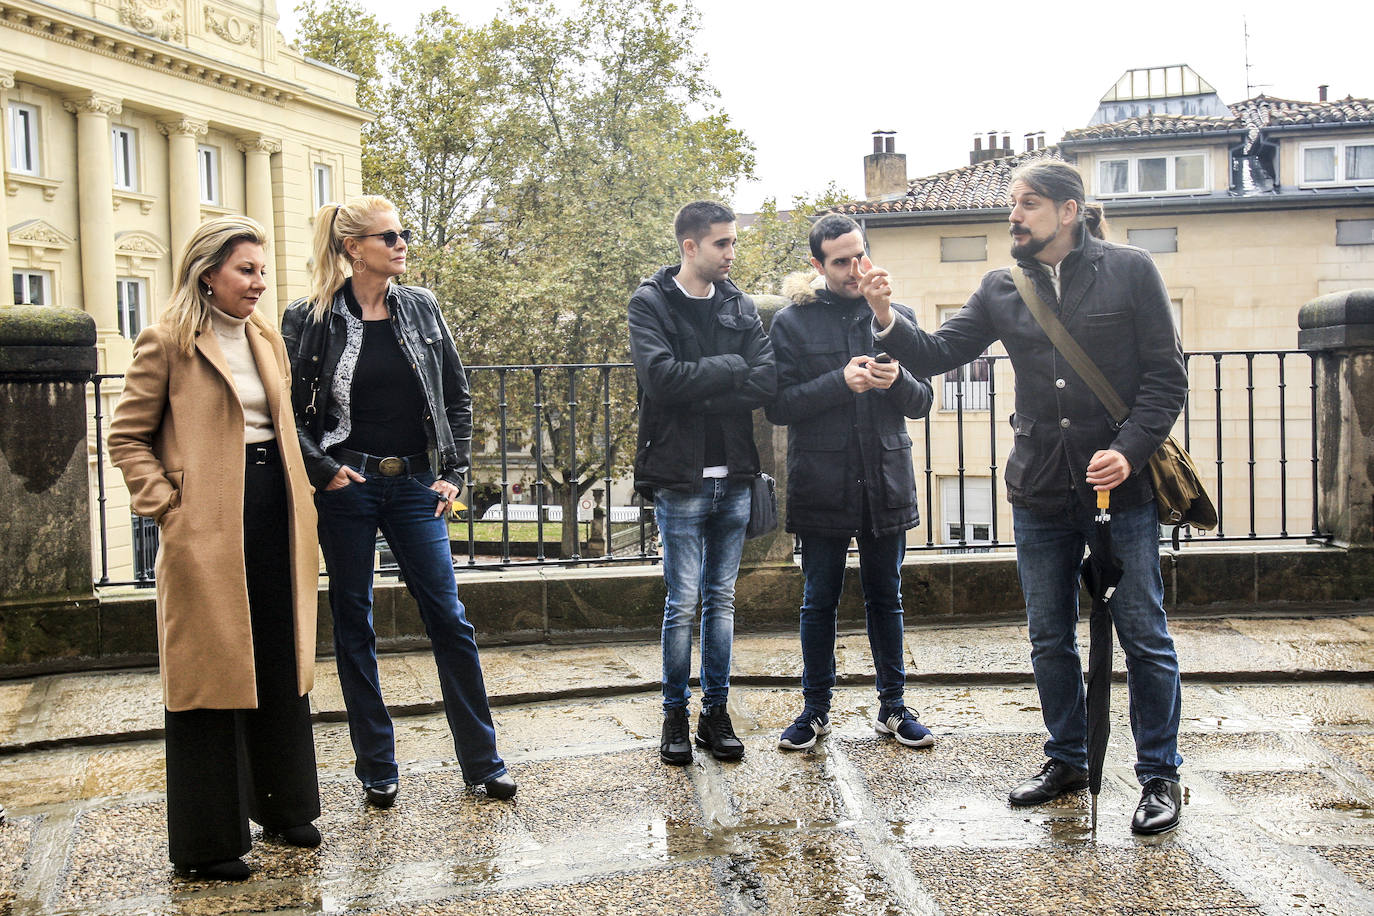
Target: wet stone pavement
x,y
1278,741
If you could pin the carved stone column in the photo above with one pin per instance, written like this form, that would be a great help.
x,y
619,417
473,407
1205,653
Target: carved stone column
x,y
7,289
183,180
95,209
261,206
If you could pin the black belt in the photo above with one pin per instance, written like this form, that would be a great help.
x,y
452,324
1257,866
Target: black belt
x,y
262,452
390,466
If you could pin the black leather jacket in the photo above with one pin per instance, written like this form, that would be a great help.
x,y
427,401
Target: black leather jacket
x,y
842,446
424,338
1115,305
683,377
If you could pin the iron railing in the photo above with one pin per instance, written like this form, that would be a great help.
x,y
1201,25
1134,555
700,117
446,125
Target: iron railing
x,y
541,425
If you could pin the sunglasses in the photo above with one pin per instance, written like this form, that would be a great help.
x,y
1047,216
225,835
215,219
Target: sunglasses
x,y
389,237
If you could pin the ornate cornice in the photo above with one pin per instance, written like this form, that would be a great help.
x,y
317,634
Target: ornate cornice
x,y
93,104
6,79
154,18
37,233
137,245
258,145
189,127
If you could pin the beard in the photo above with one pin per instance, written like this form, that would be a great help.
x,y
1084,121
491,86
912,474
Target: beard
x,y
1032,246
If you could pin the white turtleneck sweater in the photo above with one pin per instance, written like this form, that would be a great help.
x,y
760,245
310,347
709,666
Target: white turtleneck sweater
x,y
232,335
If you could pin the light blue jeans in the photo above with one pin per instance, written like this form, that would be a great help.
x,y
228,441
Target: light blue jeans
x,y
1049,550
703,537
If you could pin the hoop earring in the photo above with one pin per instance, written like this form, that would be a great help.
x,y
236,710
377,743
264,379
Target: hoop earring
x,y
359,265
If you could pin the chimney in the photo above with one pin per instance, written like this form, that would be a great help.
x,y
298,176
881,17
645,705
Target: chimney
x,y
1006,144
1040,140
884,168
1321,92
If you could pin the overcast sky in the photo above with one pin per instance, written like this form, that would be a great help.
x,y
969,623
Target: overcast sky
x,y
809,81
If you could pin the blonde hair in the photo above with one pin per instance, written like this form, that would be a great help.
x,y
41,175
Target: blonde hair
x,y
208,248
329,264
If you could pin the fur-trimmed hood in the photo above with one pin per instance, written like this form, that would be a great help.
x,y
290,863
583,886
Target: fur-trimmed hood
x,y
801,287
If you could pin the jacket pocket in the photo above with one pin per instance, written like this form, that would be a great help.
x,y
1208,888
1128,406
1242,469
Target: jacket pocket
x,y
817,471
898,473
1021,450
177,480
816,358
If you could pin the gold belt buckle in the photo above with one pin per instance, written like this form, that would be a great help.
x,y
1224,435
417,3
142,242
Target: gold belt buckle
x,y
392,467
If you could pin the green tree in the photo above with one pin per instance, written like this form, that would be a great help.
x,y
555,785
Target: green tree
x,y
776,244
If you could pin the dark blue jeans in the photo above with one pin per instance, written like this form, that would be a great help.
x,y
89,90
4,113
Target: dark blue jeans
x,y
880,573
1049,550
403,509
703,538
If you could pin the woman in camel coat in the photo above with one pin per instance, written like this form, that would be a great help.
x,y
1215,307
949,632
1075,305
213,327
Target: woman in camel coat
x,y
206,439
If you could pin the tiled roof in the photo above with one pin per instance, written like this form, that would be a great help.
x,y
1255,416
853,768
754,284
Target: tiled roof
x,y
984,185
972,187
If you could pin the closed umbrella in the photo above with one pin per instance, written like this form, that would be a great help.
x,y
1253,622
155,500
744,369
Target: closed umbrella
x,y
1101,572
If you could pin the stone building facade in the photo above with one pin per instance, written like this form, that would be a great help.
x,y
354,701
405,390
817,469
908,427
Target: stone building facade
x,y
128,122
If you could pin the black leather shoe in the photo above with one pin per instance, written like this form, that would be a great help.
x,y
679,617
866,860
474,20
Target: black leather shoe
x,y
501,787
1054,779
1159,807
716,733
305,836
676,745
228,870
381,796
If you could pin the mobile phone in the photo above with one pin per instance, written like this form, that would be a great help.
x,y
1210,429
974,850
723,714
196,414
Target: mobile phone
x,y
882,358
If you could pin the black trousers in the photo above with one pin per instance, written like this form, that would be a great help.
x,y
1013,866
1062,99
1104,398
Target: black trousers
x,y
225,766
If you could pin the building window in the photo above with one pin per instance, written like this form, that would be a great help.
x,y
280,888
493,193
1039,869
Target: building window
x,y
1156,241
969,381
1335,163
1158,173
125,158
209,174
1355,232
32,287
969,248
971,522
324,185
131,296
23,131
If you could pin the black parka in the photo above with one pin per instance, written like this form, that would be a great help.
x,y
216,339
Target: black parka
x,y
684,377
1115,305
842,447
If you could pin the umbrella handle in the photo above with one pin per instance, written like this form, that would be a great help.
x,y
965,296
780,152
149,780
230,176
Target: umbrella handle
x,y
1104,498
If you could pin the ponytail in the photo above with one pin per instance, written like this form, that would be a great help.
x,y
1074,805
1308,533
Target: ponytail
x,y
329,266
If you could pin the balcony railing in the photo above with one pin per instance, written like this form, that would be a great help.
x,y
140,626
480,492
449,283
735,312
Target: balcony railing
x,y
1249,420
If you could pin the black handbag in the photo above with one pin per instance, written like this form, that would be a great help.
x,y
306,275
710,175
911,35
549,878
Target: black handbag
x,y
1179,494
763,506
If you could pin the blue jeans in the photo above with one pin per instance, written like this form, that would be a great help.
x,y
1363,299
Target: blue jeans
x,y
403,509
703,537
1049,549
880,572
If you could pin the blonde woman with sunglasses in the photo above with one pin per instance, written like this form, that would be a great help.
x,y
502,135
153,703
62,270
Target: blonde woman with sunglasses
x,y
385,425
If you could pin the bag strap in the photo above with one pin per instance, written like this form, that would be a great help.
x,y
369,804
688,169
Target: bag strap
x,y
1064,342
311,409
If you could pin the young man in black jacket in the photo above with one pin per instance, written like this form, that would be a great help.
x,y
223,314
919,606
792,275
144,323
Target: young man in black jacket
x,y
849,474
703,364
1112,300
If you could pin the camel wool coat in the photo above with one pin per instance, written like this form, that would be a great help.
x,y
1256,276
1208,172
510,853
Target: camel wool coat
x,y
177,436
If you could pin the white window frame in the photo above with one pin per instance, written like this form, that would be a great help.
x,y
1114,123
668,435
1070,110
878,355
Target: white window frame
x,y
207,157
23,126
44,277
122,309
1338,179
125,157
978,510
972,375
322,183
1132,160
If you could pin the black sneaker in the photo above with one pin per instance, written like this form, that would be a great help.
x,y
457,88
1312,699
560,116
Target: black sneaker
x,y
716,733
676,746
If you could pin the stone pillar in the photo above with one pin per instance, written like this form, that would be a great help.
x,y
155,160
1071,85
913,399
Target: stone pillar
x,y
257,179
95,209
1338,330
772,444
47,356
7,291
183,180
